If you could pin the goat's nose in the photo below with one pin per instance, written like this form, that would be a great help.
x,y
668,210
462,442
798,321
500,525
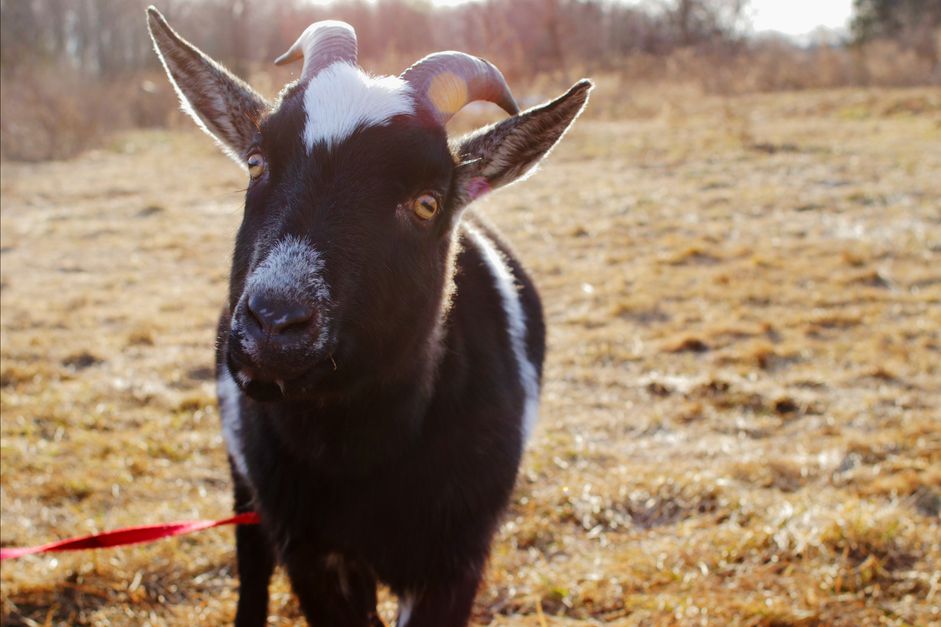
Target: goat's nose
x,y
278,316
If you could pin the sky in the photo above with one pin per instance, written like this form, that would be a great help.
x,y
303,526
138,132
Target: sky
x,y
798,17
793,17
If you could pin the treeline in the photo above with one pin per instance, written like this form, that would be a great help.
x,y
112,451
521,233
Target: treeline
x,y
913,22
72,70
107,38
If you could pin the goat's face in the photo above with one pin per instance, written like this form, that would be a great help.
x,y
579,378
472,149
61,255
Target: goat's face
x,y
342,262
341,257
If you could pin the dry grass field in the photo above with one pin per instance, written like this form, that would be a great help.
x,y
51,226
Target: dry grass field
x,y
740,423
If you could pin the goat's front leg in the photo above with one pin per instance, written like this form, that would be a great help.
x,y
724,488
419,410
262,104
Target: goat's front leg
x,y
440,605
333,590
255,563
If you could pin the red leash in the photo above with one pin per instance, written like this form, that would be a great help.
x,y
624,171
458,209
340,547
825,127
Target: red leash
x,y
128,535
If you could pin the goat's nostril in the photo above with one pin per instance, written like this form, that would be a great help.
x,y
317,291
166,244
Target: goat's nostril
x,y
294,324
253,317
277,316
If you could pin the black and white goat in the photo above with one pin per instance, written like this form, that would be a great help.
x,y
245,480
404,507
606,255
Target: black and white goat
x,y
380,357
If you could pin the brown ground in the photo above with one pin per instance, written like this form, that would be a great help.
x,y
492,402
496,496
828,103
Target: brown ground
x,y
740,420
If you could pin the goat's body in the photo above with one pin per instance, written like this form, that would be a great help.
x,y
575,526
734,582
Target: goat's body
x,y
392,481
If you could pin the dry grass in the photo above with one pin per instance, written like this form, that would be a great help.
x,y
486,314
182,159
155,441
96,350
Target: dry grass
x,y
740,421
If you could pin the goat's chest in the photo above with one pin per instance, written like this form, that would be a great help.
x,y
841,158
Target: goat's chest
x,y
441,497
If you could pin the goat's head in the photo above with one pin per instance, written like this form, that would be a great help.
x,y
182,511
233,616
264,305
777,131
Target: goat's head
x,y
343,260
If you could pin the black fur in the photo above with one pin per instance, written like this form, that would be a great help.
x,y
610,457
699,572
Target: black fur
x,y
398,463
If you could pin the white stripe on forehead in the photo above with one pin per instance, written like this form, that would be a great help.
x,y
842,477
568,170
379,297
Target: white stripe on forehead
x,y
342,98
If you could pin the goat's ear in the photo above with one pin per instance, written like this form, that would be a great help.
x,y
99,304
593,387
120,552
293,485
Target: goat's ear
x,y
220,103
500,154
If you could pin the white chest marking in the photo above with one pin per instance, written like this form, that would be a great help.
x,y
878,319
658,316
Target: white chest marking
x,y
341,98
231,420
516,324
406,604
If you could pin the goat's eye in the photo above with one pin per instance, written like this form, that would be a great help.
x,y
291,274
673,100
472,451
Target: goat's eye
x,y
425,206
256,165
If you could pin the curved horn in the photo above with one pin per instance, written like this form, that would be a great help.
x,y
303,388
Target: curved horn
x,y
322,44
446,81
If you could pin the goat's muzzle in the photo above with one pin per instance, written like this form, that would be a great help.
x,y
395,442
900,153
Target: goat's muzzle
x,y
273,341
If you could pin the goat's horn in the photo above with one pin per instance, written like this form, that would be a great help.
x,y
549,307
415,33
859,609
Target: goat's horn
x,y
322,44
446,81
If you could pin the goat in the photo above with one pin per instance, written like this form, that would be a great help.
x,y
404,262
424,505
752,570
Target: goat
x,y
380,356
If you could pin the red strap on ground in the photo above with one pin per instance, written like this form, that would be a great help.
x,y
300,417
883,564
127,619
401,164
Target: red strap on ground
x,y
128,535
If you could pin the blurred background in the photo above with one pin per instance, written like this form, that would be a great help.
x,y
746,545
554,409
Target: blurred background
x,y
77,70
738,246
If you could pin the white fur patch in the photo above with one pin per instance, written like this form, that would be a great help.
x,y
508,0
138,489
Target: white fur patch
x,y
342,98
335,562
406,605
231,420
516,324
292,271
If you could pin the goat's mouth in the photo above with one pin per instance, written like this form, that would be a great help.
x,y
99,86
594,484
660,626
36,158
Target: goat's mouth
x,y
268,386
263,391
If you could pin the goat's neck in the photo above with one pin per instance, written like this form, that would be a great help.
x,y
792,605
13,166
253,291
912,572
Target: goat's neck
x,y
372,423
